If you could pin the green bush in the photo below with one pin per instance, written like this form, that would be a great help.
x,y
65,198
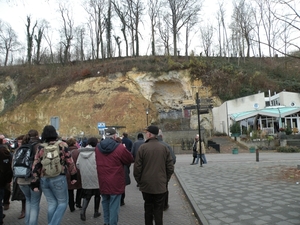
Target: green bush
x,y
288,149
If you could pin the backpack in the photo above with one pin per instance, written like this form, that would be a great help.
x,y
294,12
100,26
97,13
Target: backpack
x,y
51,160
5,169
23,160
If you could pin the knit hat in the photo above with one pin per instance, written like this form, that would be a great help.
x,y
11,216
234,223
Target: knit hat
x,y
110,131
152,129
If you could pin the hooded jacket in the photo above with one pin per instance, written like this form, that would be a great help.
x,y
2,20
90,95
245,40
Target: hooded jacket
x,y
86,163
110,159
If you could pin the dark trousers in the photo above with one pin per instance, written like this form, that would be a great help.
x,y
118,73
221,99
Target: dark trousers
x,y
1,208
166,204
77,200
7,194
154,206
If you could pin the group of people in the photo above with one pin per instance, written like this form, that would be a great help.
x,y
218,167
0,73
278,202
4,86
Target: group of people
x,y
100,169
199,151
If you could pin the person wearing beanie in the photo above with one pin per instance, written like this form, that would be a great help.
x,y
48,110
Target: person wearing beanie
x,y
153,169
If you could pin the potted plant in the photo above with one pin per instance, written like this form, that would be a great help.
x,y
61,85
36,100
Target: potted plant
x,y
252,149
235,130
235,150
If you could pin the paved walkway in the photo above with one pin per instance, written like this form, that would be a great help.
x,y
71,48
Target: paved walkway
x,y
230,189
237,190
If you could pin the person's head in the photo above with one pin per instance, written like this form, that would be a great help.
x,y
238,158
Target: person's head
x,y
49,134
92,141
160,133
20,140
197,137
32,134
71,141
110,133
125,135
152,131
140,136
2,139
118,139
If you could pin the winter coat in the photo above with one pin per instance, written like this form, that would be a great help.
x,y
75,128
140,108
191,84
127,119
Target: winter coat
x,y
169,147
127,142
136,145
74,153
65,158
5,166
153,167
86,163
110,159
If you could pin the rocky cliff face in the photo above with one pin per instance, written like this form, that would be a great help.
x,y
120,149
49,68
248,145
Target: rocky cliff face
x,y
117,100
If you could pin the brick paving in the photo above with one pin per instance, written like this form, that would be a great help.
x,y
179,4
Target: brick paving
x,y
179,213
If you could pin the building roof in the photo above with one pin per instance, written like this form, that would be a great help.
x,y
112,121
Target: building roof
x,y
273,111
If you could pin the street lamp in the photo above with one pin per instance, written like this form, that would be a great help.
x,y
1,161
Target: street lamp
x,y
147,113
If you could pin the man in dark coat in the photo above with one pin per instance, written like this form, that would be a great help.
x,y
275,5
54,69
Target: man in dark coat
x,y
135,147
153,168
160,138
127,142
5,173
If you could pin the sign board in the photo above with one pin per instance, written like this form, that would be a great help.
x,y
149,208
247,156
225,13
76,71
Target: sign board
x,y
101,125
54,121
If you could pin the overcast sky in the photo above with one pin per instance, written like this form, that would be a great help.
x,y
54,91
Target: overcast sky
x,y
15,12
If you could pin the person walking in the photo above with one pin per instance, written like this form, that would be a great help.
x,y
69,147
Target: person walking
x,y
135,147
54,187
17,193
5,174
196,140
73,149
111,157
153,168
203,151
160,138
33,198
7,190
86,163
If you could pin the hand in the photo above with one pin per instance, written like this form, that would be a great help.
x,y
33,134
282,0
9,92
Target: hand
x,y
73,181
36,189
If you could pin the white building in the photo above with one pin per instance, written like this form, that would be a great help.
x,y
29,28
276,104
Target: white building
x,y
259,112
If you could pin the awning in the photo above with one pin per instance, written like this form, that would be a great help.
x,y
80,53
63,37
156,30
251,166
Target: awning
x,y
277,112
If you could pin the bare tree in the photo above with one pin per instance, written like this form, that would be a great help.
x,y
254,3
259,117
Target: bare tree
x,y
38,39
96,24
108,23
30,34
48,38
136,11
153,12
181,13
164,33
122,13
8,40
79,43
67,31
223,38
118,42
206,36
242,24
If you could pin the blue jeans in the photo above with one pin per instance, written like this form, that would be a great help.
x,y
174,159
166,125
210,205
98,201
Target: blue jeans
x,y
111,208
1,208
55,190
33,199
198,157
203,158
